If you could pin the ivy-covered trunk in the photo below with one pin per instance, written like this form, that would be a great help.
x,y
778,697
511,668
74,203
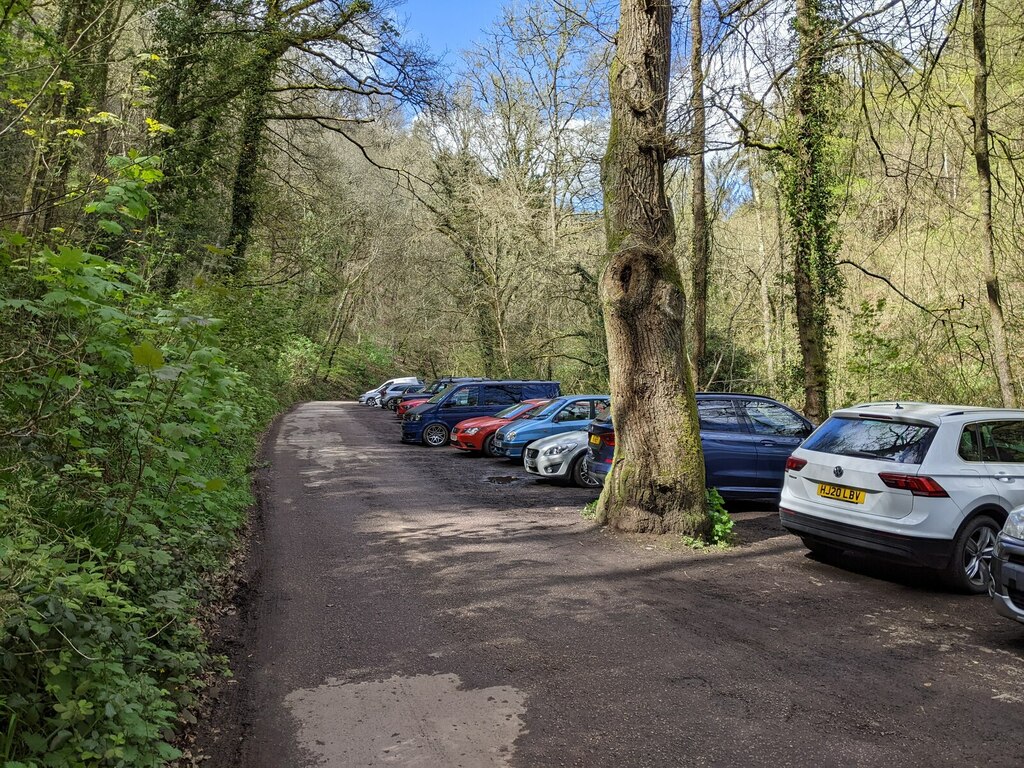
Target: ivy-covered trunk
x,y
808,174
656,483
243,197
487,326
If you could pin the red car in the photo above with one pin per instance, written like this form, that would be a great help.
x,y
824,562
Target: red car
x,y
477,435
408,405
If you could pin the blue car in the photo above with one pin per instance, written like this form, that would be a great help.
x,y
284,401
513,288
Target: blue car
x,y
431,423
565,414
438,385
746,441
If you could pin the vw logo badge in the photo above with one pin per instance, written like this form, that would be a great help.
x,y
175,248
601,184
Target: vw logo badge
x,y
838,471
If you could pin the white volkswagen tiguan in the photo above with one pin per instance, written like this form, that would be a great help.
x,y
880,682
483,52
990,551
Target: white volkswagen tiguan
x,y
929,485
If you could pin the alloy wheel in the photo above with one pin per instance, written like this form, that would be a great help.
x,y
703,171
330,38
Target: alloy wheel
x,y
978,553
585,477
435,435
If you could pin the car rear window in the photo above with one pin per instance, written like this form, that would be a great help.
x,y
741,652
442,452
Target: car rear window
x,y
868,438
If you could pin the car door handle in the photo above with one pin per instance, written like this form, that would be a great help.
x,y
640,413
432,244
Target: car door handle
x,y
769,443
1004,477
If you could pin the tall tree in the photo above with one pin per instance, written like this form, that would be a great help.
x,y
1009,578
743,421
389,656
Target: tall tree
x,y
807,180
982,161
330,63
700,245
656,483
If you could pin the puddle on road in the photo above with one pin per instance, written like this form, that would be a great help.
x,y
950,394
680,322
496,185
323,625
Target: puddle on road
x,y
505,479
415,722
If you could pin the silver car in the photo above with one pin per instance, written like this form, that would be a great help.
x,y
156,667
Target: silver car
x,y
560,457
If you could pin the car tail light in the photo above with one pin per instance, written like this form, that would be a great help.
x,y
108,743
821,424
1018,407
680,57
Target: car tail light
x,y
795,464
609,439
919,485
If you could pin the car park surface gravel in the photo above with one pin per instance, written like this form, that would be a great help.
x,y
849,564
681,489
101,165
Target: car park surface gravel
x,y
420,607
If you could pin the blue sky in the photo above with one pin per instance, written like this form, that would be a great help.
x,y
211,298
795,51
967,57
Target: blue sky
x,y
448,25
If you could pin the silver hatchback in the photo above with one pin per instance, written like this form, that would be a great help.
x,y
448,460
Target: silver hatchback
x,y
560,457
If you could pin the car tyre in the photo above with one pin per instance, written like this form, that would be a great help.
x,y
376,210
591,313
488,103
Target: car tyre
x,y
489,446
579,474
968,569
435,435
522,456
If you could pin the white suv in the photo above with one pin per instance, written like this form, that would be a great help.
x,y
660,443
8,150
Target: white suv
x,y
930,485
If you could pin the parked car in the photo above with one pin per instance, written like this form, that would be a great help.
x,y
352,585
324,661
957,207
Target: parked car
x,y
410,400
476,435
1006,585
561,457
392,394
746,440
404,406
600,448
431,422
564,414
372,396
929,485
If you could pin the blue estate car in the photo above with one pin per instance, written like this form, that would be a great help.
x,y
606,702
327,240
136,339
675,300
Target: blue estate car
x,y
746,441
431,423
565,414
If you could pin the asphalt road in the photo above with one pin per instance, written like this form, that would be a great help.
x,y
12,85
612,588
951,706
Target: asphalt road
x,y
414,607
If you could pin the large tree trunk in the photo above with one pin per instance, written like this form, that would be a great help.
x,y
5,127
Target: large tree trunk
x,y
811,205
701,242
656,483
997,326
487,328
243,197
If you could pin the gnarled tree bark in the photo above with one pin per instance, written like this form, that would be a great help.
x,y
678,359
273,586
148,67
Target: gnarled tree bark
x,y
656,483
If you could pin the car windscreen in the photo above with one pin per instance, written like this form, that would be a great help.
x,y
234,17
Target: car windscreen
x,y
884,439
542,410
440,393
510,411
534,410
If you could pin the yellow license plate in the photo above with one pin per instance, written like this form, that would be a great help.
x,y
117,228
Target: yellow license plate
x,y
595,440
839,493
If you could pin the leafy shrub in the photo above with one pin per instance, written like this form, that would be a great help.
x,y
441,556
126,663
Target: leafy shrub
x,y
721,523
127,430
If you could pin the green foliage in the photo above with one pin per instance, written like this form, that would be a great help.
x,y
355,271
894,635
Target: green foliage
x,y
128,423
721,534
721,523
589,511
878,359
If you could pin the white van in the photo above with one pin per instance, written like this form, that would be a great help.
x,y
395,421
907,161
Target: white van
x,y
372,396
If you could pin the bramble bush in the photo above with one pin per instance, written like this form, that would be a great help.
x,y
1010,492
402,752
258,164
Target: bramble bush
x,y
126,430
